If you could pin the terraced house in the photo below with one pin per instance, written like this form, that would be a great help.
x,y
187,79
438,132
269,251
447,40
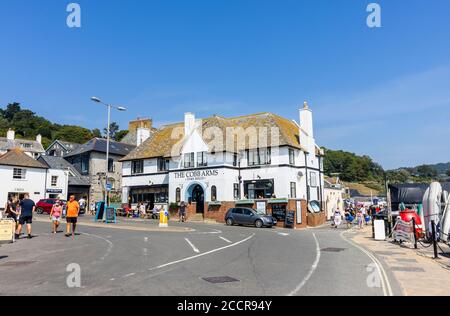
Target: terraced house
x,y
254,160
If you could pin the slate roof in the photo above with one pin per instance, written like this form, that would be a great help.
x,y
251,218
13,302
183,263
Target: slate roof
x,y
32,146
75,178
68,146
162,141
99,145
17,158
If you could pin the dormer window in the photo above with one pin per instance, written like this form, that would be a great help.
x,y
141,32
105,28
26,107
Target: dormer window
x,y
189,160
202,159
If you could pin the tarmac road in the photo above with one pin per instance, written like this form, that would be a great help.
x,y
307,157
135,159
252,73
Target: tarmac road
x,y
139,259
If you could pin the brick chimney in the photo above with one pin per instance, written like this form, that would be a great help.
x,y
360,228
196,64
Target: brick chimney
x,y
140,123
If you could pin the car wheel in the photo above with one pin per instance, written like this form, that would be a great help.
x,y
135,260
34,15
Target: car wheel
x,y
259,223
40,211
230,222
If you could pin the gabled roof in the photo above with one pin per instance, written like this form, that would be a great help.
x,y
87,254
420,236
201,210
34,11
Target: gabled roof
x,y
99,145
161,143
75,178
17,158
32,146
68,146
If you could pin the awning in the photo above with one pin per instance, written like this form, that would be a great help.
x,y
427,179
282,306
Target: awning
x,y
278,201
245,202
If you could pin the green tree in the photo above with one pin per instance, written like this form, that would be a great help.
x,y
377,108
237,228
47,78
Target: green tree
x,y
3,126
448,172
11,110
426,171
96,133
113,129
74,134
120,135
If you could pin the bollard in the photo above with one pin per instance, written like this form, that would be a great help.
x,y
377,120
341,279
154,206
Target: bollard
x,y
433,232
414,232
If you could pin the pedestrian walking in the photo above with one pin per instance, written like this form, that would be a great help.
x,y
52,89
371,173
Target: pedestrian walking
x,y
27,207
349,219
92,209
337,218
12,210
360,218
182,213
73,209
55,216
82,202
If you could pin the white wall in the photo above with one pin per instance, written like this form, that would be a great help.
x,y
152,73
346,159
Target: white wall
x,y
34,184
62,183
333,198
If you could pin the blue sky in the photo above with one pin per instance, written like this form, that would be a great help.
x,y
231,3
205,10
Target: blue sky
x,y
383,92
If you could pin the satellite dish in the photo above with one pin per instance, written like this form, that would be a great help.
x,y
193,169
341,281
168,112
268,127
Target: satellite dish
x,y
300,174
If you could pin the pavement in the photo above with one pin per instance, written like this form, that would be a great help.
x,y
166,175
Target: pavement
x,y
417,273
135,257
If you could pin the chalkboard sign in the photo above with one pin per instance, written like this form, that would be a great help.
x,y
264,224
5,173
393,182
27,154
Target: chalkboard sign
x,y
290,216
279,212
110,215
99,210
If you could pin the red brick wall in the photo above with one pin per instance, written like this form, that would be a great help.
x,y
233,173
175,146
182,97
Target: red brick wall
x,y
191,210
217,213
318,219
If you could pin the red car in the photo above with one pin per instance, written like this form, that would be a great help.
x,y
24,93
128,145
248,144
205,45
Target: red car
x,y
44,206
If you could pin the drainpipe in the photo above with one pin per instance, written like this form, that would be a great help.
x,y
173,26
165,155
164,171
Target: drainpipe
x,y
45,184
320,182
307,178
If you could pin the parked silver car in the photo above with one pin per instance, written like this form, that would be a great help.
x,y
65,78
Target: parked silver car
x,y
248,216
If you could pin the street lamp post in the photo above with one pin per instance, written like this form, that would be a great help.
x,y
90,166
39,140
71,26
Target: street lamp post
x,y
119,108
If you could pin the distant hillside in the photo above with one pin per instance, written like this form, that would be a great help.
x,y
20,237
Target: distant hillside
x,y
441,168
27,125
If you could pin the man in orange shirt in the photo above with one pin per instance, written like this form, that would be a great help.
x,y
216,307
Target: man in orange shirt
x,y
72,216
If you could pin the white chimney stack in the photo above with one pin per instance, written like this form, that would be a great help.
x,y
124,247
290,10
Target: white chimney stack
x,y
189,123
11,135
306,120
307,129
142,134
39,138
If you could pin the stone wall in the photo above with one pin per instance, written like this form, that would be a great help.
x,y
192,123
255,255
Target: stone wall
x,y
97,164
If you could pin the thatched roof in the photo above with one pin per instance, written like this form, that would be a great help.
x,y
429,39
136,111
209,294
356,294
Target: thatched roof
x,y
244,132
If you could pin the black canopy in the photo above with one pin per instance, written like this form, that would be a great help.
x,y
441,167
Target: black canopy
x,y
410,193
407,193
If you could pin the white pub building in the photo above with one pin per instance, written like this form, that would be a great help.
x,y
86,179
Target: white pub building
x,y
215,160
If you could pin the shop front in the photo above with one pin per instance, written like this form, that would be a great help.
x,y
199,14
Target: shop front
x,y
150,195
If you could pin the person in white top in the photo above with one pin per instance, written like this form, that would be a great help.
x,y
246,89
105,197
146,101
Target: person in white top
x,y
142,210
337,218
